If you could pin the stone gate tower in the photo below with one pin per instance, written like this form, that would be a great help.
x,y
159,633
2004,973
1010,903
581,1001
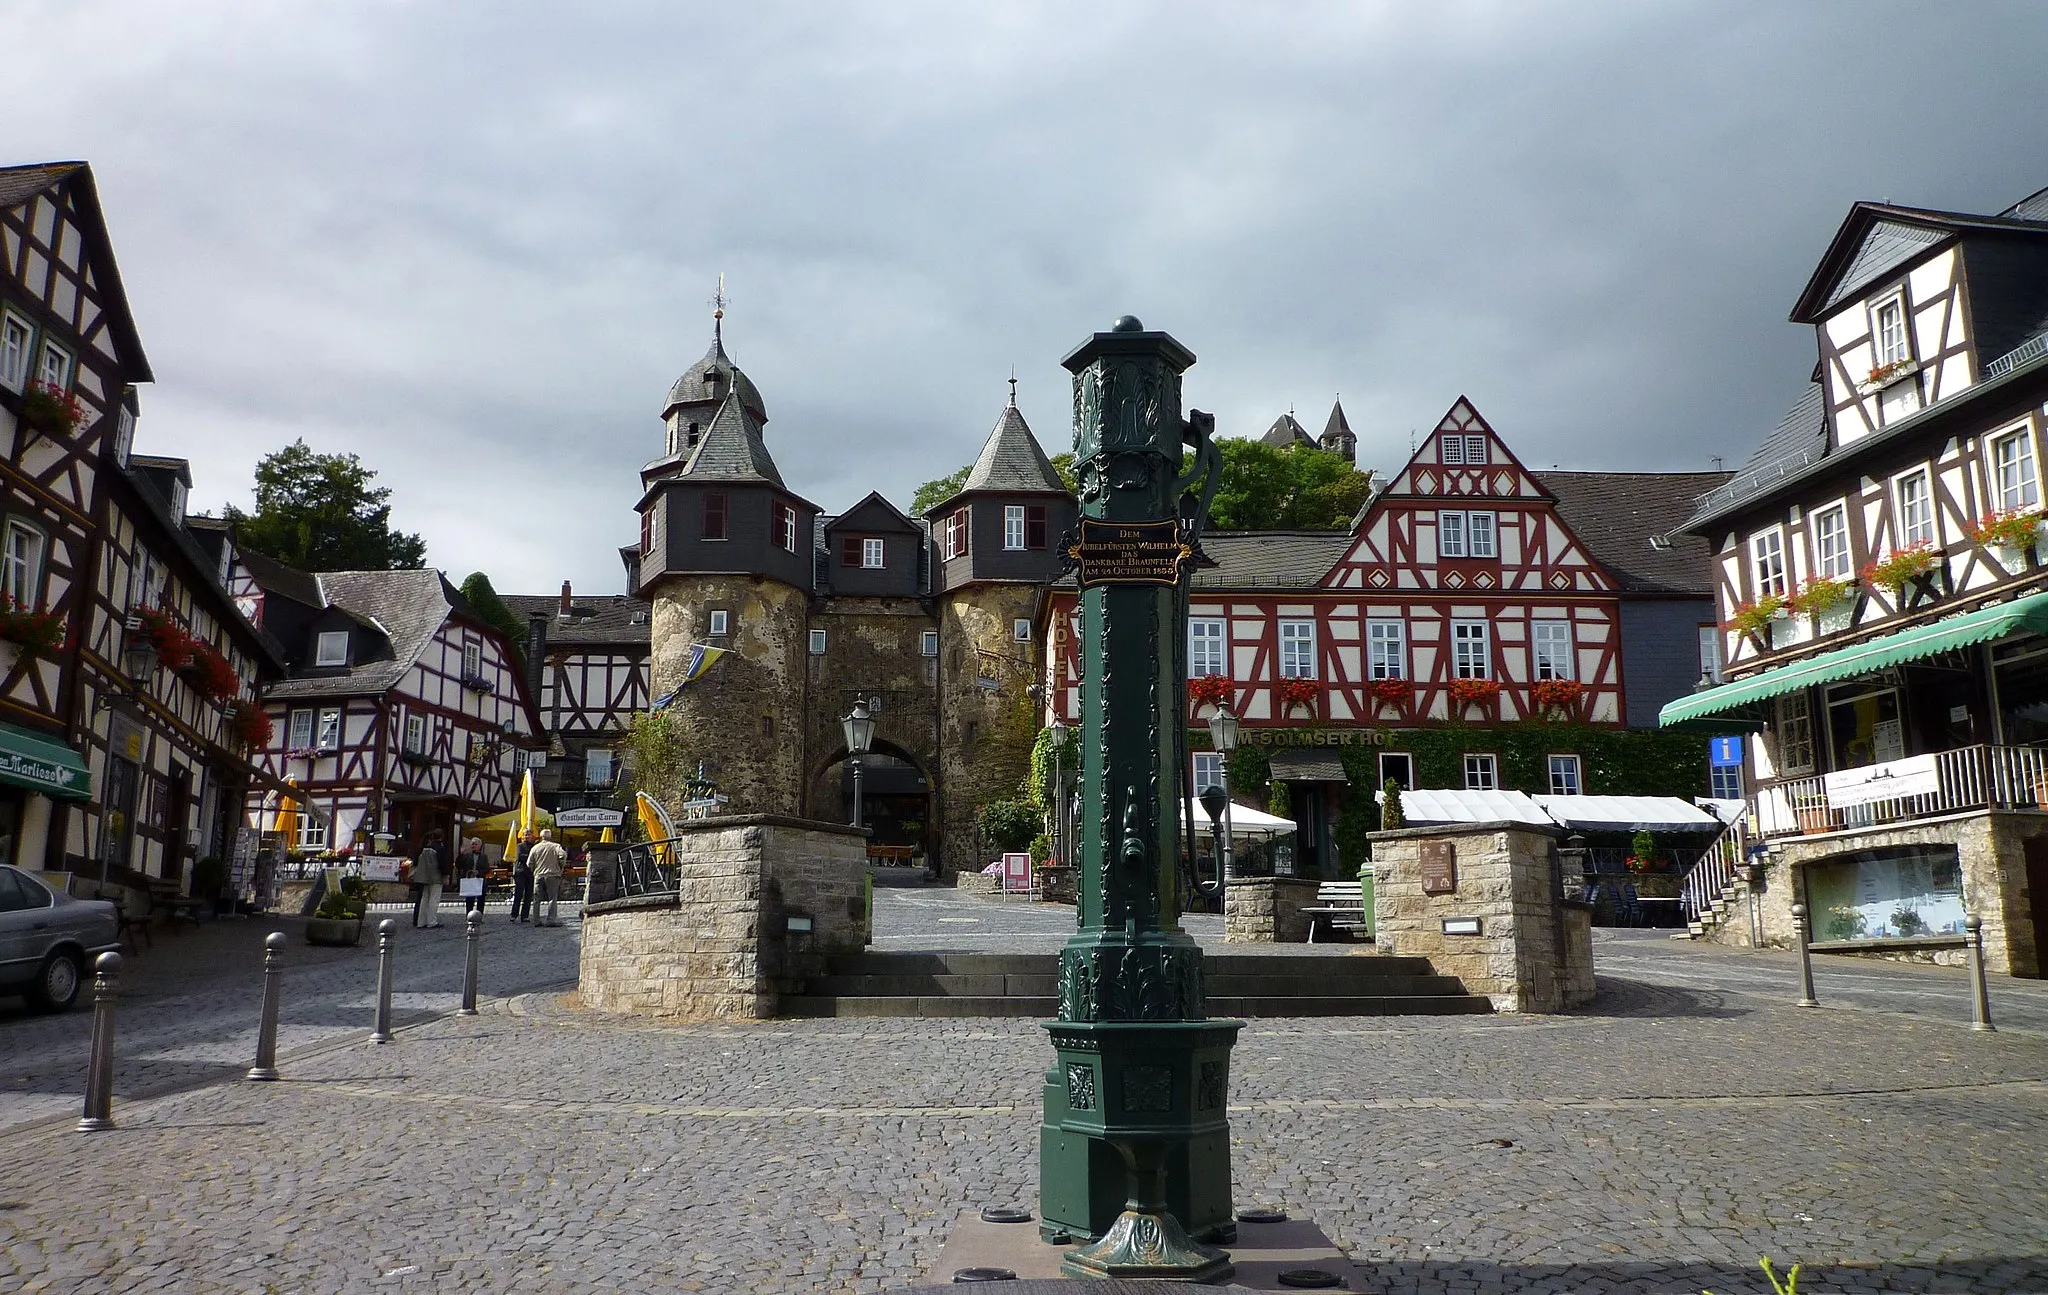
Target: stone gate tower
x,y
995,554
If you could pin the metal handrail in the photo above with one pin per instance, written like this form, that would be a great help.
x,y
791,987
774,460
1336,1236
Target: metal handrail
x,y
1970,777
1708,879
646,868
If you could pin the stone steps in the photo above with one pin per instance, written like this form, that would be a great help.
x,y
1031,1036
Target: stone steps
x,y
1025,984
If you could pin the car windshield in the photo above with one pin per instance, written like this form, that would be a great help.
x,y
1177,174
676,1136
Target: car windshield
x,y
18,892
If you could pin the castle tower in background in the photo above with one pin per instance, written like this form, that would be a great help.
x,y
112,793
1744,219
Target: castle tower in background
x,y
996,552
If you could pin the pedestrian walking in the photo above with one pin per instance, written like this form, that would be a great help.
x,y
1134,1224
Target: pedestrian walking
x,y
472,874
426,869
522,883
548,860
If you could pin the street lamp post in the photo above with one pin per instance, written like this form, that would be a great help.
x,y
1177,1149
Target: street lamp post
x,y
860,734
1223,735
1059,794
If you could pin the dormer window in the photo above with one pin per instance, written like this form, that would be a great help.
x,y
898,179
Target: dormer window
x,y
865,552
954,544
1889,342
332,648
871,553
178,500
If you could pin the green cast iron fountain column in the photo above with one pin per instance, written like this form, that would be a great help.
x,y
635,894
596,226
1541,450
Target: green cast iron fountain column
x,y
1135,1146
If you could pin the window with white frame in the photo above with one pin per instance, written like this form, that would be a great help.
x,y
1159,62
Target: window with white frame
x,y
597,768
788,519
16,338
472,659
332,648
21,564
1888,332
1795,733
312,832
1013,526
1550,649
1564,775
872,552
1724,782
1710,653
1386,649
124,436
928,643
1471,650
817,642
1020,630
54,370
1297,649
1479,528
1767,562
328,738
1466,535
1482,773
1205,648
299,731
1450,535
1208,771
2012,468
1916,509
718,623
1461,450
954,536
415,734
1831,543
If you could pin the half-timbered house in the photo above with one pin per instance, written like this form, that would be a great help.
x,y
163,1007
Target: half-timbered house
x,y
587,672
1460,599
404,711
1877,565
125,659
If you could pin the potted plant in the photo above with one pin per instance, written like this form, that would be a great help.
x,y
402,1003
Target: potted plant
x,y
1467,693
1556,697
173,645
209,879
210,672
51,410
1883,375
250,725
2012,531
1299,693
476,682
339,919
1642,853
1902,567
1390,692
1752,617
1209,690
1908,922
31,630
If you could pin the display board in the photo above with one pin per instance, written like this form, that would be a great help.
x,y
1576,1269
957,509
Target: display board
x,y
1909,893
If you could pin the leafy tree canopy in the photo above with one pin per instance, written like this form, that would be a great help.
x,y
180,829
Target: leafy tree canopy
x,y
479,594
943,488
1296,488
319,512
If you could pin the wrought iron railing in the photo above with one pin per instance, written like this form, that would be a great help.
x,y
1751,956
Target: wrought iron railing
x,y
647,868
1707,880
1971,777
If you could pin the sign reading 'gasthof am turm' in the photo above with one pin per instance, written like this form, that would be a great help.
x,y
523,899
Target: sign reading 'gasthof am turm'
x,y
1129,553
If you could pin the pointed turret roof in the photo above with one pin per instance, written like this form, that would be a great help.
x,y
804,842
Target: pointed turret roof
x,y
1285,431
1337,426
731,448
1011,461
697,386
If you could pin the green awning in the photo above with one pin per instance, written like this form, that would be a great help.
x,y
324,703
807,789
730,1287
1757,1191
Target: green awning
x,y
1980,626
34,761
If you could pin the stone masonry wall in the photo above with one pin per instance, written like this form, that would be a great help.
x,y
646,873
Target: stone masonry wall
x,y
1267,910
985,733
746,715
1532,955
720,948
873,649
1990,847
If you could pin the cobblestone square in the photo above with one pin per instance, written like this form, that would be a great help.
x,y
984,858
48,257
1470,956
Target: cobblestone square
x,y
1660,1141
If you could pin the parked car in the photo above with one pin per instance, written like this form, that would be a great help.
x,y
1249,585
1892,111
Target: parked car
x,y
47,940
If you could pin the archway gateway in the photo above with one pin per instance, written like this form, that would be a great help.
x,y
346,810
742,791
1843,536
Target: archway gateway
x,y
896,798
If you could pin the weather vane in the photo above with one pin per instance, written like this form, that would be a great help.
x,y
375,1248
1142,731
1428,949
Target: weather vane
x,y
718,300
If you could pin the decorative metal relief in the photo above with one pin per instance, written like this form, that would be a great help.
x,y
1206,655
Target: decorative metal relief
x,y
1080,1086
1148,1090
1209,1091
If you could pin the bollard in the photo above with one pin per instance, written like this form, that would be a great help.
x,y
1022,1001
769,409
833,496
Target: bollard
x,y
387,932
475,923
1974,925
266,1030
1799,934
99,1068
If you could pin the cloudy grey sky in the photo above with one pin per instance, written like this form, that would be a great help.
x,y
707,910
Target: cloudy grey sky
x,y
474,242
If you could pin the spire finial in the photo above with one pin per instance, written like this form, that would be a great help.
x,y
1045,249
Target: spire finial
x,y
718,310
1013,386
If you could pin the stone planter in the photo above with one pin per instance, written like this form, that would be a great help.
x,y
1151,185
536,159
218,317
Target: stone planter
x,y
334,932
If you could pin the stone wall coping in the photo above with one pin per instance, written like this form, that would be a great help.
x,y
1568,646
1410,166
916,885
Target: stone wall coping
x,y
1269,881
694,825
1890,944
630,903
1466,829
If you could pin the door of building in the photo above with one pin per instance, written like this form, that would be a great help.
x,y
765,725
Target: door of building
x,y
2037,899
177,811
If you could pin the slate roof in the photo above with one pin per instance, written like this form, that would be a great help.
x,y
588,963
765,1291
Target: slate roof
x,y
277,578
1618,514
1799,440
611,620
731,449
1269,559
1338,425
1284,432
871,514
20,183
408,606
1878,237
692,388
1010,462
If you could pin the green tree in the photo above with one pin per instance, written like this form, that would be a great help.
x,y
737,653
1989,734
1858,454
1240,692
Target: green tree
x,y
319,512
1296,488
479,594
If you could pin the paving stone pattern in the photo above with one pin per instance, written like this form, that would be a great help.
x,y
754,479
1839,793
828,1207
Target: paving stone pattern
x,y
1658,1141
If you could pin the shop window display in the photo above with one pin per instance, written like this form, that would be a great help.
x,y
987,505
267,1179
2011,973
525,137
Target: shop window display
x,y
1898,894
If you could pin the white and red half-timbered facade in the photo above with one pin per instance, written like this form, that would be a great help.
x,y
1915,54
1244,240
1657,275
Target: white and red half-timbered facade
x,y
588,671
404,711
1883,608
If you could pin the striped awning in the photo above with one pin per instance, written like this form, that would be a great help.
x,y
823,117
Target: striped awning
x,y
1980,626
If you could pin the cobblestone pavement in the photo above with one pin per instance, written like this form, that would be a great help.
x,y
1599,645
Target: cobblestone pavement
x,y
1660,1141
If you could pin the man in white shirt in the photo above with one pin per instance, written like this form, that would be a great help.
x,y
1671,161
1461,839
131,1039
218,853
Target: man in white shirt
x,y
548,861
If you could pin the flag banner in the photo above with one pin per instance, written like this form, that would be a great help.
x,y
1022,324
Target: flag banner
x,y
702,657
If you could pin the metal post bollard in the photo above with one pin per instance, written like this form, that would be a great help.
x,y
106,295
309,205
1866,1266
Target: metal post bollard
x,y
387,933
266,1029
1799,933
1981,996
99,1069
475,923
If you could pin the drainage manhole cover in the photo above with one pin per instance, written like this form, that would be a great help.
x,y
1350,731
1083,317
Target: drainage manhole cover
x,y
1262,1215
1004,1214
1310,1278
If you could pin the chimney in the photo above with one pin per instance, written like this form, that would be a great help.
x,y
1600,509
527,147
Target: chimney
x,y
563,609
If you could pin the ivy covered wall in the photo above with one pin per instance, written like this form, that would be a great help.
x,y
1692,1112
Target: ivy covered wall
x,y
1612,762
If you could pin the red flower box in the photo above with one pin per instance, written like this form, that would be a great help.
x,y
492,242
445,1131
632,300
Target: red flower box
x,y
1210,690
1299,692
51,410
173,645
251,724
1556,694
1390,692
1468,692
211,673
31,630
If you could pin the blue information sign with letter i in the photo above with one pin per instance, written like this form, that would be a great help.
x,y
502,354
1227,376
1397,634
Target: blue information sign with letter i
x,y
1724,751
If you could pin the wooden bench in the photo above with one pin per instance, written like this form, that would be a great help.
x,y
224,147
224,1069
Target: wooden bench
x,y
1339,906
131,917
896,854
165,898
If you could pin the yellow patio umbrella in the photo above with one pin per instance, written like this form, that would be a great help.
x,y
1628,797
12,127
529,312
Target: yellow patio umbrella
x,y
655,822
526,805
287,825
610,836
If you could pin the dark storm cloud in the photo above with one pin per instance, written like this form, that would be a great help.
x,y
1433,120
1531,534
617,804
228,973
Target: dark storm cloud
x,y
474,242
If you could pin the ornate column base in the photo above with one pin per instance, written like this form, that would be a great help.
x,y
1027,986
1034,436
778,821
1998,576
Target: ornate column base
x,y
1149,1245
